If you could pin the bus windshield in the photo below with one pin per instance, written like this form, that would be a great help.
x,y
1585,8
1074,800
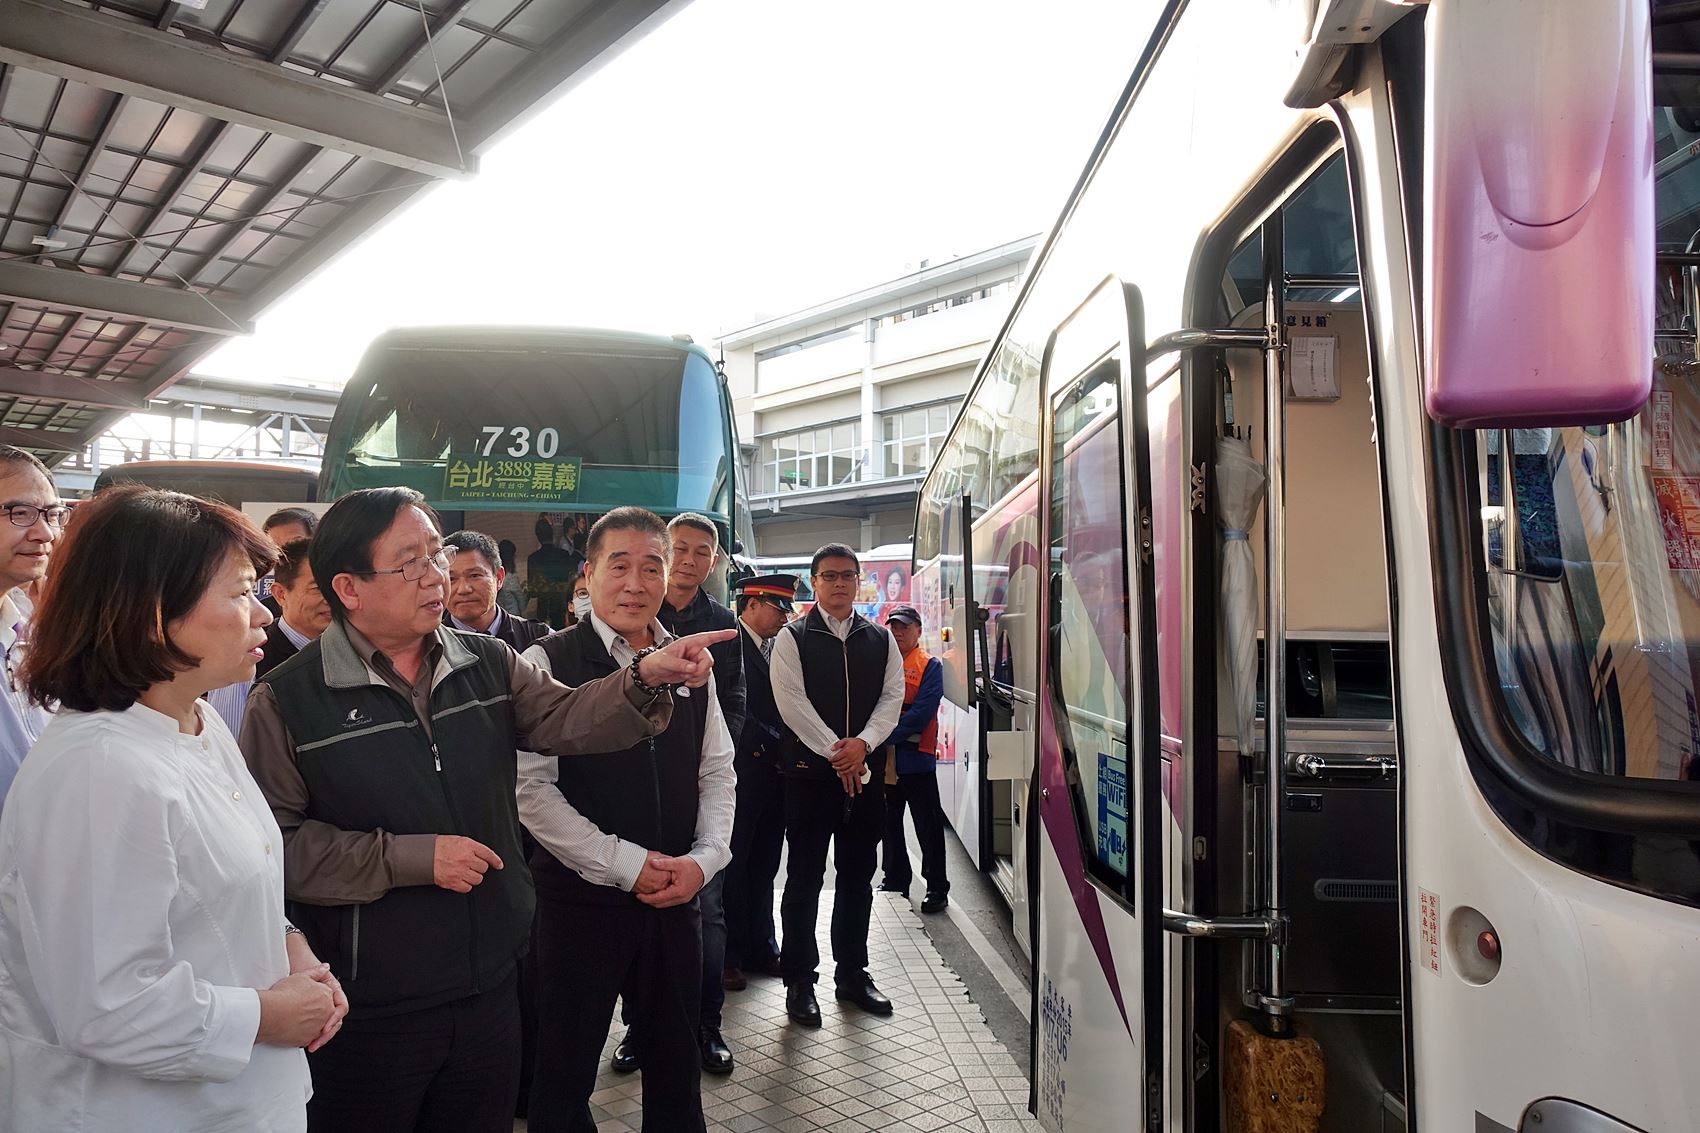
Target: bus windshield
x,y
1593,555
575,427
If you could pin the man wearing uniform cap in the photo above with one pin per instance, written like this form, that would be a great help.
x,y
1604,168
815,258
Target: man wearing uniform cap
x,y
758,831
911,768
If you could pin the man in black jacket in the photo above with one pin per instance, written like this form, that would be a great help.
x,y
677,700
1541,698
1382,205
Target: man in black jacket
x,y
386,751
838,684
475,577
629,838
758,832
304,612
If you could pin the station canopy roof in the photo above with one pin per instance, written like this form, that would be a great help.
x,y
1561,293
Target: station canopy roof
x,y
168,170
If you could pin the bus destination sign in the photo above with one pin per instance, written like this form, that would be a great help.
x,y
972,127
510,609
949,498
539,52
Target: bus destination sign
x,y
471,478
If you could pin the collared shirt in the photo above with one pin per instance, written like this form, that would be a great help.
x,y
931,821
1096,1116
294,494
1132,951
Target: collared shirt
x,y
330,865
607,859
495,627
756,639
792,698
231,701
141,876
21,722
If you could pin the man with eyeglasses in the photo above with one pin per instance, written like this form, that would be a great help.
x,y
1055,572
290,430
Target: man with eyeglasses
x,y
38,518
386,750
838,685
475,578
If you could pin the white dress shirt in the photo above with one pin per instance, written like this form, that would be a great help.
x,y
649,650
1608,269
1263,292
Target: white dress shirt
x,y
141,907
231,701
607,859
792,699
21,723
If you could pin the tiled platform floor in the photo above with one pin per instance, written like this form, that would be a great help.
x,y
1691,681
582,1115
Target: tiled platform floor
x,y
934,1065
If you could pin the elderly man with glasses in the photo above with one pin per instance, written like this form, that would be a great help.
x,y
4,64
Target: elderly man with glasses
x,y
38,518
386,751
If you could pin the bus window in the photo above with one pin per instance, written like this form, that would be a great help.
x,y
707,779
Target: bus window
x,y
584,427
1596,615
1088,622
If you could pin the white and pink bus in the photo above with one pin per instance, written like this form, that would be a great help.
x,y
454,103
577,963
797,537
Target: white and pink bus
x,y
1316,562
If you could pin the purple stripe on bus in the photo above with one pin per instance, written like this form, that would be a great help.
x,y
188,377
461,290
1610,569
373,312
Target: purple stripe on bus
x,y
1054,810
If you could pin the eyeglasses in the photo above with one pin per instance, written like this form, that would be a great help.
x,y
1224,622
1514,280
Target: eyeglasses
x,y
414,569
26,515
839,575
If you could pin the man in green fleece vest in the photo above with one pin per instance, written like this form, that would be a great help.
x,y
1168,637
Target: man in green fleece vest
x,y
386,751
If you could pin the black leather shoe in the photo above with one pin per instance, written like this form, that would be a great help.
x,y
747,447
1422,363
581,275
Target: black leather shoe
x,y
716,1055
934,903
625,1058
890,887
800,1004
733,979
866,996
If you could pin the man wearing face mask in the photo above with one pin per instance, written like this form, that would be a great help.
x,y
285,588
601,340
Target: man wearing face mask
x,y
581,597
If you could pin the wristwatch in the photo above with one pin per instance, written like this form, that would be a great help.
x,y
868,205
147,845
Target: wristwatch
x,y
637,681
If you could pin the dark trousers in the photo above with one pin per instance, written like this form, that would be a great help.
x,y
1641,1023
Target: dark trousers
x,y
815,816
586,956
711,902
920,791
758,840
447,1069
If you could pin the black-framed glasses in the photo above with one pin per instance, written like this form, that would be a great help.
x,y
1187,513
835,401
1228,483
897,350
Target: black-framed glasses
x,y
26,515
414,569
839,576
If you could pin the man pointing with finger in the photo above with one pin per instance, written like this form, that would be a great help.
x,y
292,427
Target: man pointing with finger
x,y
628,840
386,751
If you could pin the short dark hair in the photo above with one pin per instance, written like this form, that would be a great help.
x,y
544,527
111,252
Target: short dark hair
x,y
629,518
833,551
291,558
10,455
742,601
544,530
287,515
343,544
464,541
141,560
507,551
697,522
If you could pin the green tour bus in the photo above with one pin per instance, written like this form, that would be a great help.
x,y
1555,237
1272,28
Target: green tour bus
x,y
503,429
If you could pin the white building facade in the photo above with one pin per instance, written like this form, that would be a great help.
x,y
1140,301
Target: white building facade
x,y
841,407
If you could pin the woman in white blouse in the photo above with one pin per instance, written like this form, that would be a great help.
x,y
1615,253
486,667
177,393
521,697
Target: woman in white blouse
x,y
148,979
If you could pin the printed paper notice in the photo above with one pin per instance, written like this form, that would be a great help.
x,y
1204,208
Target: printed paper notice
x,y
1311,368
1661,407
1679,518
1429,909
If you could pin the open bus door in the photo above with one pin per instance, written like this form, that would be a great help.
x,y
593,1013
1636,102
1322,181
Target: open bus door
x,y
1099,867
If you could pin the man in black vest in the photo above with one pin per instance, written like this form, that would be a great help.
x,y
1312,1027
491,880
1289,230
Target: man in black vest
x,y
758,832
693,550
629,838
838,685
386,751
475,576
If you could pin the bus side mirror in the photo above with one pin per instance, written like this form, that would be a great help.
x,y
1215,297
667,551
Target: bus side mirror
x,y
1538,228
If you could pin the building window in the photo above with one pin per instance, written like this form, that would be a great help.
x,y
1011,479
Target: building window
x,y
813,340
933,306
822,457
912,437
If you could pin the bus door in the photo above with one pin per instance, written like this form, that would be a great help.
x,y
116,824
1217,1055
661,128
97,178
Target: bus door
x,y
1098,1053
